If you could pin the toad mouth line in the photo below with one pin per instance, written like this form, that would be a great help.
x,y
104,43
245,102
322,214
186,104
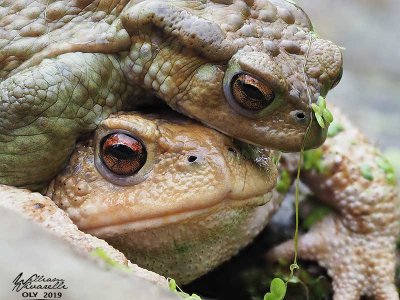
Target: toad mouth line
x,y
108,231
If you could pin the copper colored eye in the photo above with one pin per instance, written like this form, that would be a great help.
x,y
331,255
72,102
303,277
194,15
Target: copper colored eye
x,y
250,93
122,154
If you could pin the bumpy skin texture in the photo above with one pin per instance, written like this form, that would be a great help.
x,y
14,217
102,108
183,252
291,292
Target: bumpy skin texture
x,y
357,244
43,211
185,217
183,51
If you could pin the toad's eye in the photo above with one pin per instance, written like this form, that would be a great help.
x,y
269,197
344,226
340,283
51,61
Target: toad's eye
x,y
122,154
250,93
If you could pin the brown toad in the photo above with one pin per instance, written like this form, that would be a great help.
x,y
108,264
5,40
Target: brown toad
x,y
249,69
179,199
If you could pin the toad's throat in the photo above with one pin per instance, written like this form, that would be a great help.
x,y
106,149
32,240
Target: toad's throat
x,y
111,230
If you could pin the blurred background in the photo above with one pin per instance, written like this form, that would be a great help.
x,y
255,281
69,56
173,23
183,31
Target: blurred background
x,y
369,94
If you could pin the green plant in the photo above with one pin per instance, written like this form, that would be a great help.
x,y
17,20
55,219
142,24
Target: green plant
x,y
387,168
102,254
284,182
175,288
322,114
366,172
277,290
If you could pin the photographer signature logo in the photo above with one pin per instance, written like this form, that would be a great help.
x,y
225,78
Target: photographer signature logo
x,y
37,286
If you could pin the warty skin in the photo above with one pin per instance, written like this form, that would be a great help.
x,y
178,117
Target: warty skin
x,y
67,65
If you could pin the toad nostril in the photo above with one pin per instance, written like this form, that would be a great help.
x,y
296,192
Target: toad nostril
x,y
300,115
192,158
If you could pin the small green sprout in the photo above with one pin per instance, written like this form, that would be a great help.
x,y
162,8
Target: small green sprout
x,y
322,114
102,254
284,182
335,129
277,290
312,160
175,288
366,172
387,168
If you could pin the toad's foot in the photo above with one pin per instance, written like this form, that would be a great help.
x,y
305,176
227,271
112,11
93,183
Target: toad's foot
x,y
359,264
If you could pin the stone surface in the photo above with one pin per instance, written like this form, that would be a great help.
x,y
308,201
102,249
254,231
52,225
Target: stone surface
x,y
27,248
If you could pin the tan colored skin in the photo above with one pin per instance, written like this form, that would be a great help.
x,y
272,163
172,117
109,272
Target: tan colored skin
x,y
357,244
170,221
157,226
183,51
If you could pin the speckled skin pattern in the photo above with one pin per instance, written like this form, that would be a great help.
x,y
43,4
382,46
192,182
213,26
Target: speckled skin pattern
x,y
185,230
67,65
357,244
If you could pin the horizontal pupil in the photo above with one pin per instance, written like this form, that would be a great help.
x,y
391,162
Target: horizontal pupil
x,y
252,92
121,151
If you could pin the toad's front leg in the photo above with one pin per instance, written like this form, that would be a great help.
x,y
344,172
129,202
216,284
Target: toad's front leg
x,y
357,243
45,108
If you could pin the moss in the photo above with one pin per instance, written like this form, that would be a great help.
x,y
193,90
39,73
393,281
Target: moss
x,y
387,168
366,172
284,182
312,160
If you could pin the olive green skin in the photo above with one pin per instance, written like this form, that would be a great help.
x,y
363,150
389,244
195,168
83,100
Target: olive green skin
x,y
67,65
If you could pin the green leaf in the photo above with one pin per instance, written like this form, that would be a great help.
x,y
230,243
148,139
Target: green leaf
x,y
320,120
269,296
316,109
334,129
175,288
278,288
321,102
327,115
172,284
366,172
183,294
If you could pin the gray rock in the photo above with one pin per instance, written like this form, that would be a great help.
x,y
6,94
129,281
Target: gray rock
x,y
29,249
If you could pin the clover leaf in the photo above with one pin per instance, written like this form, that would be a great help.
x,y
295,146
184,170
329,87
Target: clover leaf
x,y
322,114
